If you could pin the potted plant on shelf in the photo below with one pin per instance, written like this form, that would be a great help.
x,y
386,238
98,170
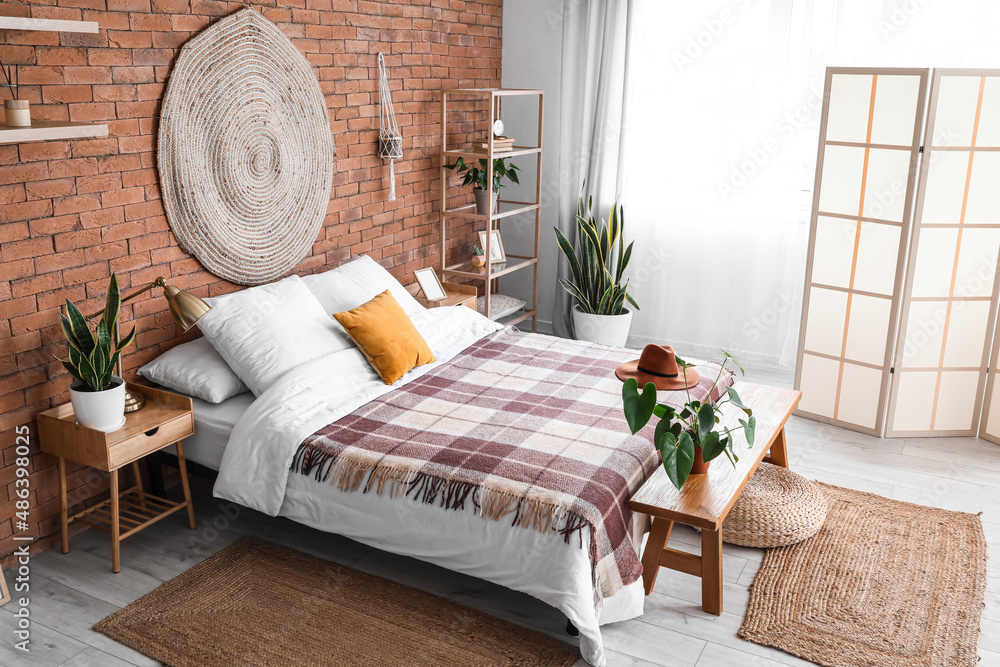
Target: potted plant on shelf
x,y
478,256
477,176
599,314
687,438
98,395
17,113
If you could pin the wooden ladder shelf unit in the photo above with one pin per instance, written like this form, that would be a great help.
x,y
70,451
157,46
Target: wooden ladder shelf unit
x,y
490,272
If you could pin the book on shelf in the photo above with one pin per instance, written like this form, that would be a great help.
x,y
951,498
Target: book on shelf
x,y
500,144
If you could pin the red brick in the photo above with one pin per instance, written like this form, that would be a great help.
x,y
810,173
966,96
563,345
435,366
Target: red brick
x,y
24,249
82,239
76,204
114,93
54,225
44,150
67,168
67,94
99,183
59,261
60,55
28,210
88,75
59,187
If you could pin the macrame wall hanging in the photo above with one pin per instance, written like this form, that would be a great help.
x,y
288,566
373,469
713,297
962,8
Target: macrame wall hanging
x,y
390,141
245,151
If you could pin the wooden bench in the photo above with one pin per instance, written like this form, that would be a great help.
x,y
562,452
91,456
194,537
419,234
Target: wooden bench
x,y
705,500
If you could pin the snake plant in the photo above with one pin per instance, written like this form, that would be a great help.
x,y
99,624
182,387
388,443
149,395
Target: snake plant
x,y
93,355
595,288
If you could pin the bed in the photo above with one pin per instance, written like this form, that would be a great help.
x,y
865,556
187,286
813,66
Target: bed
x,y
254,441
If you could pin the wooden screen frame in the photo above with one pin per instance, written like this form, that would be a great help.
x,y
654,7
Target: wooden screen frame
x,y
991,372
988,347
904,226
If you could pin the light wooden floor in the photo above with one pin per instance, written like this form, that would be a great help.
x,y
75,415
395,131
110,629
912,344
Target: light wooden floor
x,y
71,592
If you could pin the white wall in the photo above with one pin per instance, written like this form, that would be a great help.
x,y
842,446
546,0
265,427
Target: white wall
x,y
532,58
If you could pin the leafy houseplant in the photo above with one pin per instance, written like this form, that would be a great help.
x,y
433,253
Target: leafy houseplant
x,y
684,436
597,269
98,396
477,176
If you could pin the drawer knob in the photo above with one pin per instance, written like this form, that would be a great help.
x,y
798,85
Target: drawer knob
x,y
151,432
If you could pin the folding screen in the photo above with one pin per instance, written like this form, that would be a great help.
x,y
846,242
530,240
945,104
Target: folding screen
x,y
868,152
949,304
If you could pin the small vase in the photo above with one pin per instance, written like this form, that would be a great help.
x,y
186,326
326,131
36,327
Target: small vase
x,y
479,260
17,113
700,466
481,206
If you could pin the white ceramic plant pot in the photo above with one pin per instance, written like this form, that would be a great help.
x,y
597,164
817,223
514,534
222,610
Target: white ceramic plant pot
x,y
100,410
604,329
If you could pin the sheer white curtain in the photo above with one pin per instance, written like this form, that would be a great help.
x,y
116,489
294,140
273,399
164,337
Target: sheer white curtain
x,y
718,154
593,96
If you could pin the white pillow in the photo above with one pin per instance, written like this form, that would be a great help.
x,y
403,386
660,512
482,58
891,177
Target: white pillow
x,y
195,369
356,282
265,331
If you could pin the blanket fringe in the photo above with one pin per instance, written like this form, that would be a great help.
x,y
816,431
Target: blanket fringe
x,y
452,494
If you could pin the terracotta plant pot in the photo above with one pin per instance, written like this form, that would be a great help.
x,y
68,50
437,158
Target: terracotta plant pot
x,y
479,260
700,466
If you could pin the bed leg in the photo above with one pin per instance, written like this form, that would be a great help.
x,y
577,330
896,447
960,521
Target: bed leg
x,y
571,629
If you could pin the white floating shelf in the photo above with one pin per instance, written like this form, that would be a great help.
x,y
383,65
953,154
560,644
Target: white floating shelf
x,y
51,25
45,130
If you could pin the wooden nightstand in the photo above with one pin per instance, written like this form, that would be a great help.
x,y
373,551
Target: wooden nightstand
x,y
165,420
458,295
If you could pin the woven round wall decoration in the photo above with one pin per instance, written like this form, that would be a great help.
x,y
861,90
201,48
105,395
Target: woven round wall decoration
x,y
245,150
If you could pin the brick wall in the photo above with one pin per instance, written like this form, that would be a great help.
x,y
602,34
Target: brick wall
x,y
71,212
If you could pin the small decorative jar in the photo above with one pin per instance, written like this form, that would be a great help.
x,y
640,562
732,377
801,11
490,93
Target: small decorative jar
x,y
17,113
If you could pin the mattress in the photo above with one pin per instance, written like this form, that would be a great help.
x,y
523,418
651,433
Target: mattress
x,y
213,423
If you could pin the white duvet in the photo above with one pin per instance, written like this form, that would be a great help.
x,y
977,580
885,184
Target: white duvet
x,y
255,473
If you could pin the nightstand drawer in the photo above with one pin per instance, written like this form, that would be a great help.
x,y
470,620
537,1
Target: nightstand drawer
x,y
150,441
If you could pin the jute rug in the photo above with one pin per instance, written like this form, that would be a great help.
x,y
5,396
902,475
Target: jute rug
x,y
256,603
884,583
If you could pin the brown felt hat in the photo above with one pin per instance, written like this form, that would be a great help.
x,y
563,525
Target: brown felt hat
x,y
658,365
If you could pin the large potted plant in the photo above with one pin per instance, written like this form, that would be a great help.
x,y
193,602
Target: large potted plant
x,y
98,395
597,268
477,176
688,438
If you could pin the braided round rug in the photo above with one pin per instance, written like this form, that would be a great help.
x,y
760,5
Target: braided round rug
x,y
883,584
245,150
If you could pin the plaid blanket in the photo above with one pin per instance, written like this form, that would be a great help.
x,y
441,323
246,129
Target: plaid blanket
x,y
521,426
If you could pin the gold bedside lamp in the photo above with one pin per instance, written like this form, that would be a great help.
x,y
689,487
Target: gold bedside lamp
x,y
186,309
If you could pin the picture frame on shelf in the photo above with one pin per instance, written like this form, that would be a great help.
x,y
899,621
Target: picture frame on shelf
x,y
497,254
5,595
430,284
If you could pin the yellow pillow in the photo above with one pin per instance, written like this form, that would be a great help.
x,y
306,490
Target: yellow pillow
x,y
386,336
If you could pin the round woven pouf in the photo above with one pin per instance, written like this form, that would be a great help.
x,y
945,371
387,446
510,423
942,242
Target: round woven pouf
x,y
777,508
245,151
